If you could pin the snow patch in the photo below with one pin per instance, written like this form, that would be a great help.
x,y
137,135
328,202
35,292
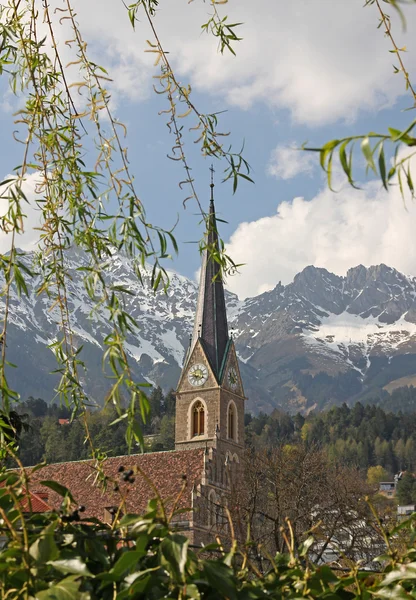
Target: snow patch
x,y
144,347
170,342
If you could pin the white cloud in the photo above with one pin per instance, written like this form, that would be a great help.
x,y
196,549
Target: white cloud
x,y
28,239
287,162
320,60
333,230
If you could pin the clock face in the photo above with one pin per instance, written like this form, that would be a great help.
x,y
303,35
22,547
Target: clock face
x,y
232,378
198,374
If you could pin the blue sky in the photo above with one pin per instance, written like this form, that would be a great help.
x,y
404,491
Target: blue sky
x,y
309,70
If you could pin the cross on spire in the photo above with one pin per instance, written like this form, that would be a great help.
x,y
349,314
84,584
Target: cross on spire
x,y
212,182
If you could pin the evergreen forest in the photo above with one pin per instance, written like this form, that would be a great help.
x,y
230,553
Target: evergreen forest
x,y
380,433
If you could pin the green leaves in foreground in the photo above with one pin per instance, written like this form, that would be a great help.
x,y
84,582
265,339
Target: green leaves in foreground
x,y
48,556
372,147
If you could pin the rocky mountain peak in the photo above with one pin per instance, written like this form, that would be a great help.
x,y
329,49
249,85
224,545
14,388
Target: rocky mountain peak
x,y
319,340
356,277
320,287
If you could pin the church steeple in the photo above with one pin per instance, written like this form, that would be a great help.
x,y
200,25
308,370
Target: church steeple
x,y
210,325
210,395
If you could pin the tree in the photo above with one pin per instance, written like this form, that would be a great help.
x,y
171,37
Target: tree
x,y
55,440
35,406
298,483
406,489
400,452
376,474
410,454
167,432
31,444
156,400
169,404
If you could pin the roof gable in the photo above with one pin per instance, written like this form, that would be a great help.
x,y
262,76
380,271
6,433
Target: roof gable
x,y
231,362
197,355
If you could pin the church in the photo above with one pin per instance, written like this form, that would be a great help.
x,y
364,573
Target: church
x,y
209,436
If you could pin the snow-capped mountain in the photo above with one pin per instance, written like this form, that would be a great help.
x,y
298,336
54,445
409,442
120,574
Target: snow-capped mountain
x,y
322,339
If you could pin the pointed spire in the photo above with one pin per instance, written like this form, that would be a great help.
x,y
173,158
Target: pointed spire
x,y
211,317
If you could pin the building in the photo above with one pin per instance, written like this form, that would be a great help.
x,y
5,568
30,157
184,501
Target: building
x,y
387,488
405,511
209,436
30,503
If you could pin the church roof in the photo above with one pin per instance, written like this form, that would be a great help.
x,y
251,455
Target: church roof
x,y
167,470
211,317
36,504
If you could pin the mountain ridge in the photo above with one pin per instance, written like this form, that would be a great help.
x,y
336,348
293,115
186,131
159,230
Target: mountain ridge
x,y
320,340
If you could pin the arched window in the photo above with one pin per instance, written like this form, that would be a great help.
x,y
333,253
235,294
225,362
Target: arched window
x,y
198,419
232,421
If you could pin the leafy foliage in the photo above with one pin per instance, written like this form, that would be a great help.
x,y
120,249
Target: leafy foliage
x,y
62,555
406,489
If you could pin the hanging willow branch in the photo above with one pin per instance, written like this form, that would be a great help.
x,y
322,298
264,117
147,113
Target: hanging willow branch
x,y
75,199
377,147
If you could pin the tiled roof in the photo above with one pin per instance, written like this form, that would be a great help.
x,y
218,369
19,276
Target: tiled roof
x,y
36,505
164,469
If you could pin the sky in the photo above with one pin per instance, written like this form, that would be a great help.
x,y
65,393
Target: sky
x,y
305,70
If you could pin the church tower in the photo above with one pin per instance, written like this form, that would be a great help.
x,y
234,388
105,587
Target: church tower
x,y
210,396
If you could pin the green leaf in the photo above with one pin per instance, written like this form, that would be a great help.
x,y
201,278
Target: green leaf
x,y
44,548
382,167
144,407
325,150
123,416
304,547
246,177
6,181
396,6
58,488
192,591
344,160
395,593
329,170
394,133
127,561
409,180
326,574
368,153
137,432
174,550
67,589
71,565
399,176
405,572
131,17
220,577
